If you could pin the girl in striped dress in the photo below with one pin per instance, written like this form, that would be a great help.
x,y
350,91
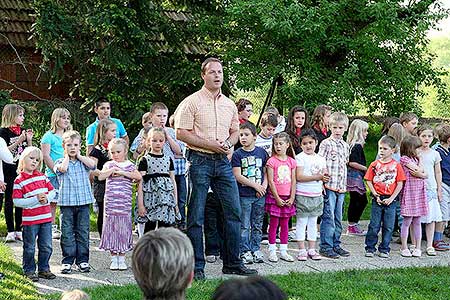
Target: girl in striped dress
x,y
119,174
413,203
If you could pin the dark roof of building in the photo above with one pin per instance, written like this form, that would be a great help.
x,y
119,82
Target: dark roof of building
x,y
17,18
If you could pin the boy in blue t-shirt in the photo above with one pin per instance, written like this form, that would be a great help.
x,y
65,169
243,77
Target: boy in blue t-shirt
x,y
248,165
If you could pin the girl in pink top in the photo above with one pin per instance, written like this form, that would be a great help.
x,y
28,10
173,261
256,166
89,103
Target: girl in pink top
x,y
280,198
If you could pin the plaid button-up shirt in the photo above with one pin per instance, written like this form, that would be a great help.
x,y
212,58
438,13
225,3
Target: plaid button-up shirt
x,y
210,118
74,185
336,153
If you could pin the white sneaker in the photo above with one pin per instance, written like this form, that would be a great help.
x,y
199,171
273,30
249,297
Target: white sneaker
x,y
11,237
258,257
122,265
247,258
292,236
286,257
114,262
273,256
211,258
56,234
66,269
18,236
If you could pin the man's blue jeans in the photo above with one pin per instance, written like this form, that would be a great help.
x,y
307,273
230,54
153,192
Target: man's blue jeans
x,y
215,171
252,214
75,234
213,226
43,232
331,224
181,192
381,216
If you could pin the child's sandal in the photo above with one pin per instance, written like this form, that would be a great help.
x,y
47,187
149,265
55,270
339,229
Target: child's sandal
x,y
431,251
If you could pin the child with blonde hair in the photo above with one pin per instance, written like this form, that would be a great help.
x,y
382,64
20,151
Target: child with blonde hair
x,y
336,153
32,193
119,174
52,149
356,138
157,195
17,139
105,132
75,295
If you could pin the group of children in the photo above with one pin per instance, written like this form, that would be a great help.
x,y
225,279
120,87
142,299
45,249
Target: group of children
x,y
294,167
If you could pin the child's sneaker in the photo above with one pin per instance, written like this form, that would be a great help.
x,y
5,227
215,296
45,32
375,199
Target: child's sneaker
x,y
405,253
46,275
211,258
292,236
441,246
417,253
84,267
312,253
66,269
286,257
114,263
258,257
10,237
122,265
18,236
355,230
431,251
247,258
369,254
273,256
302,255
383,254
56,234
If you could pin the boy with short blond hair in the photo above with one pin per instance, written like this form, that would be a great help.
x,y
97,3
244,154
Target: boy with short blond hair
x,y
269,123
75,197
384,178
336,153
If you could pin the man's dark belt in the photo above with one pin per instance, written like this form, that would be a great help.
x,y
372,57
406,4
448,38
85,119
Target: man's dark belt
x,y
213,156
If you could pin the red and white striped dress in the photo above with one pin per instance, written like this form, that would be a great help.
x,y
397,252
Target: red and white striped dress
x,y
413,202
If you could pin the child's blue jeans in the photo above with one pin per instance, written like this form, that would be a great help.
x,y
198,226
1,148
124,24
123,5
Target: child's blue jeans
x,y
331,223
252,214
381,217
43,233
75,234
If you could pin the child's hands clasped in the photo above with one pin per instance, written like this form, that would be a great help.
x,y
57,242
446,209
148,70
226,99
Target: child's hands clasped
x,y
42,198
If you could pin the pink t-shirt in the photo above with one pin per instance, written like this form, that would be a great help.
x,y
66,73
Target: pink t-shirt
x,y
282,174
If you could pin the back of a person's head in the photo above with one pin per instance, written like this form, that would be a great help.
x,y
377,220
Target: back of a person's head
x,y
163,264
251,288
75,295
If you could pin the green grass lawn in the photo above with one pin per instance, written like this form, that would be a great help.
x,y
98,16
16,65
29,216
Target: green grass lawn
x,y
410,283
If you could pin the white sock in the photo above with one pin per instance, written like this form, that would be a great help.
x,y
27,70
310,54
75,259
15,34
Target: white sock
x,y
121,258
283,248
272,247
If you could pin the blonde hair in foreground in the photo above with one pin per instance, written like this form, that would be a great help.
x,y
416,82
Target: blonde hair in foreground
x,y
27,152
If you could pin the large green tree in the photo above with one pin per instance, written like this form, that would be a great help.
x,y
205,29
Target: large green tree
x,y
133,52
348,53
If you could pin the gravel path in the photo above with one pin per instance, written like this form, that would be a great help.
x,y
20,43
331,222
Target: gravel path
x,y
100,273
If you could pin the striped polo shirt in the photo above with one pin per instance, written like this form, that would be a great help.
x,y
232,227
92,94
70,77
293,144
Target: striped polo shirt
x,y
27,187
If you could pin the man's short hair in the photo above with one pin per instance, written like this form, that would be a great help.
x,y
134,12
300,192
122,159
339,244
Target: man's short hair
x,y
163,263
209,60
338,117
250,126
407,116
388,140
268,118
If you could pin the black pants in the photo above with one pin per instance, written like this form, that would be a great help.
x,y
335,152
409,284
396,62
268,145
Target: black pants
x,y
213,226
152,225
101,208
10,216
356,207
